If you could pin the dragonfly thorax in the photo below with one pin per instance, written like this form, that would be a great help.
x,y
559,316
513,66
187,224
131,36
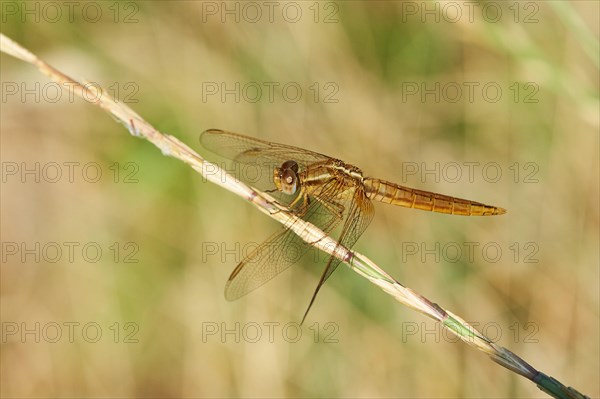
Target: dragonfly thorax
x,y
285,177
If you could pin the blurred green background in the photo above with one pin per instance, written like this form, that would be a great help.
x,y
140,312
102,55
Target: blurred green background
x,y
358,65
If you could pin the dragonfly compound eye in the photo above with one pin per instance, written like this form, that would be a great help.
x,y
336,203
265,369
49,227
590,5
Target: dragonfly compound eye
x,y
288,181
293,165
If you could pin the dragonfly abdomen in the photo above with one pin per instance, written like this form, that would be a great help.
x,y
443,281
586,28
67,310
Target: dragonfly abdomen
x,y
391,193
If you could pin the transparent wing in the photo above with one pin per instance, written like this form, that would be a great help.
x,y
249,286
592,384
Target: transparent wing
x,y
358,216
284,248
273,256
255,160
244,149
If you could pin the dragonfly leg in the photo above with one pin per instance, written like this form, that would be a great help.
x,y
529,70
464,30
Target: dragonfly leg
x,y
301,196
306,202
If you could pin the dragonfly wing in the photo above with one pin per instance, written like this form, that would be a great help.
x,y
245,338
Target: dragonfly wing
x,y
244,149
359,215
358,219
255,160
265,262
279,251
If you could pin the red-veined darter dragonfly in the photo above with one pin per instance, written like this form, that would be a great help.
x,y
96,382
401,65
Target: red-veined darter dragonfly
x,y
322,190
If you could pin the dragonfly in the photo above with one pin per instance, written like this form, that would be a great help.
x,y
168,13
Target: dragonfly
x,y
320,189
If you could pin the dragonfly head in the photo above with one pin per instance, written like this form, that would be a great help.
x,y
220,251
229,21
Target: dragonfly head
x,y
286,177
